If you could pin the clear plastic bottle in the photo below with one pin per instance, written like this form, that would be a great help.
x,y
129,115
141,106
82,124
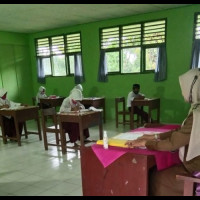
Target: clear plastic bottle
x,y
105,140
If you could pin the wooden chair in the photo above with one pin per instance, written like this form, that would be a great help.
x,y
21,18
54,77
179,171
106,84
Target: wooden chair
x,y
34,102
189,184
50,113
120,110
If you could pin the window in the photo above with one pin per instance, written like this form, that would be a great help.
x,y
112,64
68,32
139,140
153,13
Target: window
x,y
133,48
195,62
197,27
56,54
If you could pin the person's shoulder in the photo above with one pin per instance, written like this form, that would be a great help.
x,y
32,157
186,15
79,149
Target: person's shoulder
x,y
66,99
131,92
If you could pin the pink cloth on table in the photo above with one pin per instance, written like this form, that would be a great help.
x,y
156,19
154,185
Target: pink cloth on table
x,y
161,129
164,159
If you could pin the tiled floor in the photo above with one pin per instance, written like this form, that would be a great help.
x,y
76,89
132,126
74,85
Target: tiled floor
x,y
29,170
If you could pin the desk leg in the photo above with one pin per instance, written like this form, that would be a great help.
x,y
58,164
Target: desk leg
x,y
158,114
39,129
101,131
81,132
149,115
3,130
132,118
100,127
17,131
104,111
25,130
63,139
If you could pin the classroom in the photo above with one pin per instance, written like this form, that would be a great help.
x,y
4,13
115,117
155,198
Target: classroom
x,y
107,48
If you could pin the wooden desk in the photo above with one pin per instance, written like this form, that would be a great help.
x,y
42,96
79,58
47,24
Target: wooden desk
x,y
97,102
53,102
21,115
127,176
84,119
151,103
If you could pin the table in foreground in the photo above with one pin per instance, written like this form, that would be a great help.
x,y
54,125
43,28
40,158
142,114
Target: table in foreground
x,y
127,176
118,171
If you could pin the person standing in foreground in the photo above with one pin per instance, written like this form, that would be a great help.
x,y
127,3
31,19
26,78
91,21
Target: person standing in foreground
x,y
72,103
186,140
135,94
8,121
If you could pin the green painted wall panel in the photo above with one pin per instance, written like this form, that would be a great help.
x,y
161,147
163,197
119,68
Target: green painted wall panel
x,y
15,68
23,73
179,45
9,79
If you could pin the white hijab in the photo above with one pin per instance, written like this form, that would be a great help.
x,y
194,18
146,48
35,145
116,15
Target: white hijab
x,y
2,92
41,88
79,87
186,81
76,94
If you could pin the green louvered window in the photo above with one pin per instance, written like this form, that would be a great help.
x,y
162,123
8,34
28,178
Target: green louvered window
x,y
73,43
197,27
43,47
133,48
154,33
56,53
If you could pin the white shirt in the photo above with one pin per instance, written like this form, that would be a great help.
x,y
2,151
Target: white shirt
x,y
131,96
8,102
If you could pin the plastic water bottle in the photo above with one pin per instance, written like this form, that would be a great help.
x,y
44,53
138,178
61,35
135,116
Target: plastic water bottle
x,y
105,140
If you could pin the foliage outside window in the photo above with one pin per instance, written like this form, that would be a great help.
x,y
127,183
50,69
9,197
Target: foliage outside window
x,y
133,48
56,53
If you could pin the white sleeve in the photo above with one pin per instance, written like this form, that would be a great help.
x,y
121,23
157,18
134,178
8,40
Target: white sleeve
x,y
65,107
129,99
37,99
13,104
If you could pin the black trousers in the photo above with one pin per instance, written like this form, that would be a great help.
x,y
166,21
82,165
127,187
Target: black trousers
x,y
9,126
141,113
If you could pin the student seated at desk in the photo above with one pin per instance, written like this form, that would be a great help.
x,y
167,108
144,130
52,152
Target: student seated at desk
x,y
8,121
41,95
135,94
71,103
186,140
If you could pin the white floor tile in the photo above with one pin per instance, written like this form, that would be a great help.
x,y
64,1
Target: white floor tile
x,y
30,170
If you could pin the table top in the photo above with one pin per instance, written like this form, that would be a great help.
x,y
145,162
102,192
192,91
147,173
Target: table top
x,y
110,155
77,113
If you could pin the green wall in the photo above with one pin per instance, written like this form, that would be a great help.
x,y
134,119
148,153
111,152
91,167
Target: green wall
x,y
179,44
15,66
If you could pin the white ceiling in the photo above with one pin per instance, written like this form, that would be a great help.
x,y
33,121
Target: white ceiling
x,y
30,18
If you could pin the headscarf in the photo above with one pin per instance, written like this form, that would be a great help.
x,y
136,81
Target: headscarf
x,y
41,88
79,87
2,92
190,86
76,95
